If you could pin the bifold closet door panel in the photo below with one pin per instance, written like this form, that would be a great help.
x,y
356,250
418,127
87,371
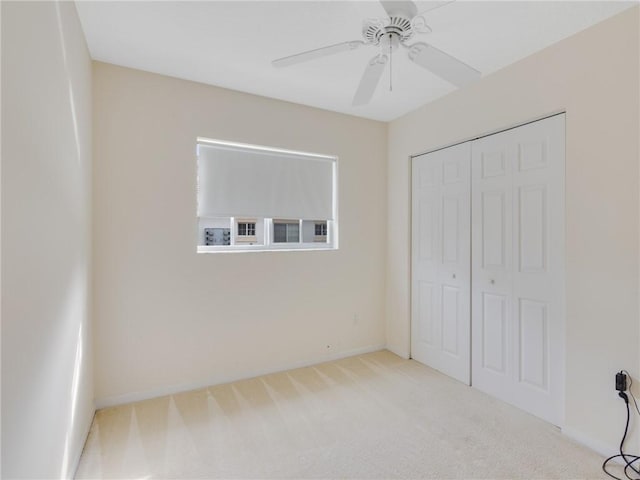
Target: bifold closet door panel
x,y
518,266
441,264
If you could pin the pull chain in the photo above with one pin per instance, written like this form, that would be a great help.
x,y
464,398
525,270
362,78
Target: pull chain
x,y
390,64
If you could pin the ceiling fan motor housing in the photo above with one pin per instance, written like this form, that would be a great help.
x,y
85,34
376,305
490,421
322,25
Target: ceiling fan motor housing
x,y
399,28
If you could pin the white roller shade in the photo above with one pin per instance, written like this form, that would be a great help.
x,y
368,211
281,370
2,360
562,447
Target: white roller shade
x,y
251,182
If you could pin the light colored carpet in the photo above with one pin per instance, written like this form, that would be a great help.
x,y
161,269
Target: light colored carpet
x,y
370,416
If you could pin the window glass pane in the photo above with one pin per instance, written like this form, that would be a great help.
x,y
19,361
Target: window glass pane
x,y
251,229
279,232
214,231
217,236
293,233
242,229
314,231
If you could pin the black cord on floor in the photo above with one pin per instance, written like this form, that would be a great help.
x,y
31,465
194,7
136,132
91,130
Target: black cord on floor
x,y
629,460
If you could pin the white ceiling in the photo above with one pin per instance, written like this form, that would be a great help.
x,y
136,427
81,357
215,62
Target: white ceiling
x,y
231,44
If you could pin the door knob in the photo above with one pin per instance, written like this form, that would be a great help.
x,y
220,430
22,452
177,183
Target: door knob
x,y
453,276
492,281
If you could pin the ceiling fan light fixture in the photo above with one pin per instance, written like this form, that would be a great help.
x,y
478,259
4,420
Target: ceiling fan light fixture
x,y
419,24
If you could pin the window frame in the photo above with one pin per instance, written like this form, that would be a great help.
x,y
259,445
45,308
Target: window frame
x,y
241,243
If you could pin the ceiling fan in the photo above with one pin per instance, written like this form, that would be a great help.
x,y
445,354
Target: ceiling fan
x,y
388,35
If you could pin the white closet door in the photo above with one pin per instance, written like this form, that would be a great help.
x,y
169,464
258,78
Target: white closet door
x,y
441,264
518,266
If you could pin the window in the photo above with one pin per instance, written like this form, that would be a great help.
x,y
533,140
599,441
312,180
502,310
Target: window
x,y
245,232
262,198
286,231
320,232
247,229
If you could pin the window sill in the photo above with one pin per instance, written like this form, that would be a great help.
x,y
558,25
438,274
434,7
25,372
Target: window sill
x,y
248,239
262,248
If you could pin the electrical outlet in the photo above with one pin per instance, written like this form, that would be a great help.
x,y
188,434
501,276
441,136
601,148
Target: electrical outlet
x,y
621,382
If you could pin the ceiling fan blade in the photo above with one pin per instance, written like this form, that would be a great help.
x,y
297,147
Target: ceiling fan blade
x,y
370,79
435,5
442,64
316,53
405,8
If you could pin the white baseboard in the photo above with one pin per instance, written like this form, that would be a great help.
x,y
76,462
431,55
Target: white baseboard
x,y
595,445
401,353
220,379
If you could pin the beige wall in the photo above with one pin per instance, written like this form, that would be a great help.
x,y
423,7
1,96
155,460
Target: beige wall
x,y
594,77
167,318
47,391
